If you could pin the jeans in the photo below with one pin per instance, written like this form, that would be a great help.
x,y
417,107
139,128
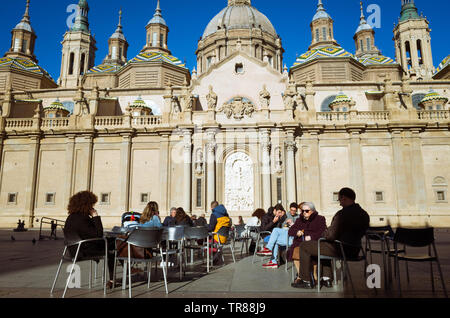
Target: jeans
x,y
279,237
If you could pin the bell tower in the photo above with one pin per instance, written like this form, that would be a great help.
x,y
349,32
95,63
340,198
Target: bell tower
x,y
118,46
322,28
78,53
157,33
413,42
23,38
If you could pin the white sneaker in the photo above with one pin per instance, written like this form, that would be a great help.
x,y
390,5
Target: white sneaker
x,y
163,263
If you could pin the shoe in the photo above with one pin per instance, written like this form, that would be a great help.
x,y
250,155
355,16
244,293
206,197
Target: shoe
x,y
302,284
264,252
270,264
328,283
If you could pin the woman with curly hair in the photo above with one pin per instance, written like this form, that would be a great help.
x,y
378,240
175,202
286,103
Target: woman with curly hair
x,y
84,222
150,216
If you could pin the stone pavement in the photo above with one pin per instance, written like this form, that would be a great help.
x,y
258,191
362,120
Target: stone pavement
x,y
27,270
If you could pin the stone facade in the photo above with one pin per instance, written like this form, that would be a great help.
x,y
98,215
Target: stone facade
x,y
241,129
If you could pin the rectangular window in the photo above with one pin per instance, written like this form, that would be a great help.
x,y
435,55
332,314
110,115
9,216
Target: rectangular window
x,y
24,46
198,200
144,198
335,196
155,39
105,198
362,45
50,198
161,40
12,198
317,35
440,196
324,32
16,45
368,44
379,196
279,193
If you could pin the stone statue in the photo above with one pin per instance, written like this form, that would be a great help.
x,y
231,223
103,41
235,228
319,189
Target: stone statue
x,y
237,108
289,97
211,98
199,162
175,105
264,97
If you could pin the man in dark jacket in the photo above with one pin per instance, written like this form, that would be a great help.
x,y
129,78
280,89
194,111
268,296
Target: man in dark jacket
x,y
348,226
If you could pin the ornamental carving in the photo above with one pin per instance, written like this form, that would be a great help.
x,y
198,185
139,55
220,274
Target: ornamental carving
x,y
237,108
264,97
239,183
211,98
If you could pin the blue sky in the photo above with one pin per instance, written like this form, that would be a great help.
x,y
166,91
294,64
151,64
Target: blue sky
x,y
188,19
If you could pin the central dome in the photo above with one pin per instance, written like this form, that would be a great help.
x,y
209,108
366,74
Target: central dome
x,y
239,16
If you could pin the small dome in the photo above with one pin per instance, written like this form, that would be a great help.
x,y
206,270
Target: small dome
x,y
24,25
321,13
157,17
140,103
432,95
340,98
56,105
322,52
363,27
239,17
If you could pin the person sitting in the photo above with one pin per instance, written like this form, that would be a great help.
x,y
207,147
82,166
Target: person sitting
x,y
279,220
170,219
181,218
279,237
253,222
348,226
85,223
308,227
219,218
150,216
201,221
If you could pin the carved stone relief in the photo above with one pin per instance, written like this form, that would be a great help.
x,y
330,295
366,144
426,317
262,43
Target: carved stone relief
x,y
237,108
239,183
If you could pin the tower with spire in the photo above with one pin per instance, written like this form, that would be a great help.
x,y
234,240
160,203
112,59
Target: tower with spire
x,y
157,33
322,28
23,38
79,47
413,42
118,46
365,38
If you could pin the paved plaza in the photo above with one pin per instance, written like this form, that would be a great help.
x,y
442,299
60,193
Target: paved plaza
x,y
27,270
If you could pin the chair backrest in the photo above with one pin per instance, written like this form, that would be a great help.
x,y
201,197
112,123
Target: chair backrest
x,y
175,233
71,238
146,237
197,233
386,228
414,237
224,231
127,217
239,230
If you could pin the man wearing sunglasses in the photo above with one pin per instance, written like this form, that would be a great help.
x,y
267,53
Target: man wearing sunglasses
x,y
348,226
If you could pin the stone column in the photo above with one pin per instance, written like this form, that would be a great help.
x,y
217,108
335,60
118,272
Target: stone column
x,y
291,189
266,169
69,177
356,167
125,162
187,156
418,172
164,166
211,169
30,191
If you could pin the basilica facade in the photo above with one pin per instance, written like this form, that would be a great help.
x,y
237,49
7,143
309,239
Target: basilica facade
x,y
241,127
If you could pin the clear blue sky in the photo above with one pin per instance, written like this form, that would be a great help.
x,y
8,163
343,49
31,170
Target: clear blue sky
x,y
188,19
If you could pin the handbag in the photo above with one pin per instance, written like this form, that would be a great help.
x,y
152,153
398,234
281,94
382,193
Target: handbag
x,y
135,252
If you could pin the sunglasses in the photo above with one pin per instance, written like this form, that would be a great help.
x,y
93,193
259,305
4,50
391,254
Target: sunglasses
x,y
306,211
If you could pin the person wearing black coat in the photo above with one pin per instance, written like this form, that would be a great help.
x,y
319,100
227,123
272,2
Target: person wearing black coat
x,y
348,226
84,223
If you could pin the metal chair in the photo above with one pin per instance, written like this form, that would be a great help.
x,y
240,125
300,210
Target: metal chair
x,y
147,238
70,240
172,236
344,259
198,233
417,238
240,234
260,234
225,232
383,235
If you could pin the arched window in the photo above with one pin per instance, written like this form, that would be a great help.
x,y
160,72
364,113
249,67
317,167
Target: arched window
x,y
368,44
317,35
82,63
324,32
419,51
326,102
71,61
408,54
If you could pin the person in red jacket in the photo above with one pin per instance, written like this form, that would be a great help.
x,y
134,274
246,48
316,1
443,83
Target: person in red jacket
x,y
308,227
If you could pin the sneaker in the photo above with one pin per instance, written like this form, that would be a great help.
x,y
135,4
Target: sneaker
x,y
264,252
270,264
